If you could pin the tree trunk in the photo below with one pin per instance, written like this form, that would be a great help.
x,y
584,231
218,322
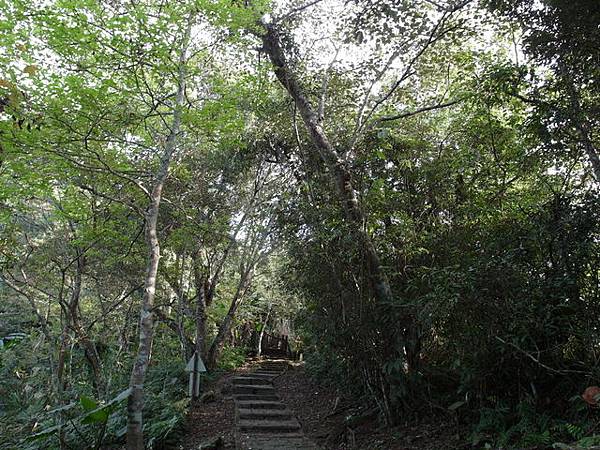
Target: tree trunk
x,y
61,361
202,295
206,285
219,340
591,150
262,332
88,347
135,437
135,404
340,175
177,286
187,343
338,170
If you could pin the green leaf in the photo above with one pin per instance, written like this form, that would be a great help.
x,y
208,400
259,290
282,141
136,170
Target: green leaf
x,y
88,403
101,414
97,416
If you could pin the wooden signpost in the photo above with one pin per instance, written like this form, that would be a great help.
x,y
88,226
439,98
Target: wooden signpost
x,y
195,367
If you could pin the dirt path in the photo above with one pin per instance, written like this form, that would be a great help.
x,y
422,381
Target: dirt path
x,y
214,418
266,408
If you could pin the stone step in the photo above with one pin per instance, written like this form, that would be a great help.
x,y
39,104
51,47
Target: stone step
x,y
264,414
268,426
252,380
253,389
283,434
253,397
261,374
267,375
288,441
260,404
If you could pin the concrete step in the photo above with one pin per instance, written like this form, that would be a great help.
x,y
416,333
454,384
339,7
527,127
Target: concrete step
x,y
267,370
271,374
261,374
253,397
260,404
264,414
273,365
252,380
268,426
253,389
288,441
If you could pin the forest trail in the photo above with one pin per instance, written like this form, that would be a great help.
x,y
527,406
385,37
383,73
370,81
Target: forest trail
x,y
405,193
263,421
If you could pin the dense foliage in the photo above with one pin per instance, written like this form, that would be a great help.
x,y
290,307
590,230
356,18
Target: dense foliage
x,y
409,189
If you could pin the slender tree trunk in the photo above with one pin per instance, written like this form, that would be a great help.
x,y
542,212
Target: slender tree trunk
x,y
88,347
206,285
61,382
177,285
61,361
341,177
262,332
219,340
181,305
135,438
202,293
339,172
187,343
591,150
135,404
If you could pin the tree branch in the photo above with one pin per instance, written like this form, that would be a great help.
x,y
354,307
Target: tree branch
x,y
405,114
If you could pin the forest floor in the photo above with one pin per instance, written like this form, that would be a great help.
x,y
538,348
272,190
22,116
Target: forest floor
x,y
214,418
323,414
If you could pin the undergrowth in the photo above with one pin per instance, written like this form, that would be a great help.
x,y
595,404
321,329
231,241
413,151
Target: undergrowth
x,y
31,419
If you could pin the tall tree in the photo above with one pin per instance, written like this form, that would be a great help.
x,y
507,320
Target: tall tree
x,y
135,405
